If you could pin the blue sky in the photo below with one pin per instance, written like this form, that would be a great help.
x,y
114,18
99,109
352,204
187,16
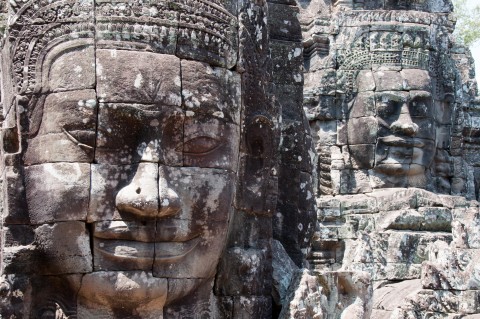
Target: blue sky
x,y
475,48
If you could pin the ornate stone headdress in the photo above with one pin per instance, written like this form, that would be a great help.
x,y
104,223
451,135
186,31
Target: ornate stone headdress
x,y
406,49
203,30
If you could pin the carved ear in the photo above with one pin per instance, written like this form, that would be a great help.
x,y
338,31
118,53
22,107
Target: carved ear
x,y
257,188
11,135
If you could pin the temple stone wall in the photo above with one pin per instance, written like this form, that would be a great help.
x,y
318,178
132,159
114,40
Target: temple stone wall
x,y
396,188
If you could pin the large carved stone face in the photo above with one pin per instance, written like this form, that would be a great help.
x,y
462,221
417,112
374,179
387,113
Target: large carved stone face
x,y
146,153
391,126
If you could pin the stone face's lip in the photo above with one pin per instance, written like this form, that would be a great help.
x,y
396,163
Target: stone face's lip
x,y
139,233
144,233
164,251
168,252
402,141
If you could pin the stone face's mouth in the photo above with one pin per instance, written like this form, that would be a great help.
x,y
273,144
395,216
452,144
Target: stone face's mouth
x,y
124,240
168,252
148,232
407,142
159,251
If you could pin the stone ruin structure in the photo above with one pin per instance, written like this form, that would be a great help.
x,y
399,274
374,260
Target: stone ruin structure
x,y
237,159
391,100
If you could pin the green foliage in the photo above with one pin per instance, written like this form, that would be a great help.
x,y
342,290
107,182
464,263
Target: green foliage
x,y
468,22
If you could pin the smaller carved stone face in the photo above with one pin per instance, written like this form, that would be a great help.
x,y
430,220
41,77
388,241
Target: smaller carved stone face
x,y
391,126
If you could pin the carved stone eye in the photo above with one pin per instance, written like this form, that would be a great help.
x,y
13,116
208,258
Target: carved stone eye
x,y
201,145
386,107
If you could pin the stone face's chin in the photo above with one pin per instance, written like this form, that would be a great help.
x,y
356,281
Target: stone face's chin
x,y
113,289
398,169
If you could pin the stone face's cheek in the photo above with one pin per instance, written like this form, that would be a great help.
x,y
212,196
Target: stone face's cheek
x,y
201,225
63,128
133,77
107,181
48,186
426,128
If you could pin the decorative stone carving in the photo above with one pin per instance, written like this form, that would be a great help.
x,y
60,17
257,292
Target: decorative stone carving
x,y
139,159
390,105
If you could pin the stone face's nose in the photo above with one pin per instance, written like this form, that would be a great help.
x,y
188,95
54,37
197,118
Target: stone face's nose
x,y
404,123
148,194
140,197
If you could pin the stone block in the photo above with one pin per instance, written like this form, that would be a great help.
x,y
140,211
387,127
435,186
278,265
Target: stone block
x,y
210,143
323,81
209,91
288,71
365,81
283,271
72,70
63,127
359,156
363,105
243,273
416,79
52,252
305,297
290,97
362,130
60,147
354,182
423,219
283,22
243,307
57,192
130,133
388,80
15,210
449,268
132,77
130,289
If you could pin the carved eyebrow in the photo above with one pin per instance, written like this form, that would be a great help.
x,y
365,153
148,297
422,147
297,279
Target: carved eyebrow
x,y
390,96
74,140
420,94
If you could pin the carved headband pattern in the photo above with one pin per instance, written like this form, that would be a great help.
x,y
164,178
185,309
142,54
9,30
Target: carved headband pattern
x,y
406,50
203,30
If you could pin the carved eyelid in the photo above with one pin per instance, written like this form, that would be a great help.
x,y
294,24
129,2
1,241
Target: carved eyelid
x,y
74,140
214,144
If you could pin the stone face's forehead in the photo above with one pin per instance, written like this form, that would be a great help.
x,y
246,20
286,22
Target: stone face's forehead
x,y
210,92
138,77
389,79
199,30
415,79
70,70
